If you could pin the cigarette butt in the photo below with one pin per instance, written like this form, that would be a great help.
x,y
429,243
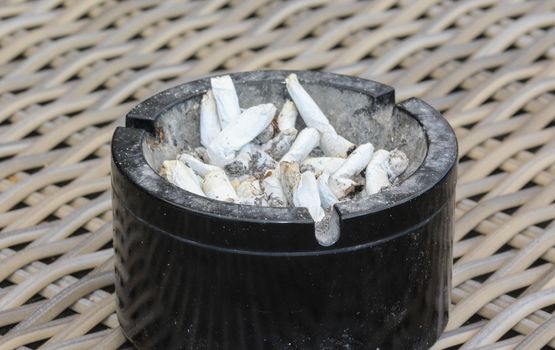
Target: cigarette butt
x,y
306,195
335,145
250,192
305,142
397,163
289,176
332,144
197,165
287,116
281,143
233,137
273,192
376,175
216,185
262,162
226,99
266,135
319,165
241,164
209,120
356,162
327,197
341,186
327,230
307,107
182,176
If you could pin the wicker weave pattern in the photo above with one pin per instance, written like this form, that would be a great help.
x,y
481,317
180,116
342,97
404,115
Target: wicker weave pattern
x,y
69,71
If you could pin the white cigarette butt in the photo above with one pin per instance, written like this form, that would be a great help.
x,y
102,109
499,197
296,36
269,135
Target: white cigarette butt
x,y
320,165
327,198
341,186
376,175
262,162
250,192
281,143
305,142
287,116
209,120
332,144
289,176
266,135
306,195
356,162
335,145
216,185
197,165
182,176
397,163
241,164
226,100
233,137
272,190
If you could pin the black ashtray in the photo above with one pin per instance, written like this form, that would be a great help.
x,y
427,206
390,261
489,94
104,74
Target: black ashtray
x,y
195,273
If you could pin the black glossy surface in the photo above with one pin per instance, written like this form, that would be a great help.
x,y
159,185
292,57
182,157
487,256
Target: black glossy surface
x,y
186,278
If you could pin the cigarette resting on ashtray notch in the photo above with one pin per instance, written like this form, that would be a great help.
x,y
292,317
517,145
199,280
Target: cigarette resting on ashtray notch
x,y
252,156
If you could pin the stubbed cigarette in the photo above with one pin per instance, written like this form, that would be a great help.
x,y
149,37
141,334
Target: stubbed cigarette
x,y
197,165
306,195
397,163
332,144
281,143
209,120
262,162
233,137
289,177
305,142
241,164
335,145
376,175
341,186
216,184
318,165
356,162
182,176
226,100
272,190
250,192
266,135
287,116
327,197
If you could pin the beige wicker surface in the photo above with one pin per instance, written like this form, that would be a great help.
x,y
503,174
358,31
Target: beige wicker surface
x,y
69,71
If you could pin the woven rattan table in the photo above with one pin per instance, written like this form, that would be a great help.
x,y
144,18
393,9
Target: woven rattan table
x,y
70,70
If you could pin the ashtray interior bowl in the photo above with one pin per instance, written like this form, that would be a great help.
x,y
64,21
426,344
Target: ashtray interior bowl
x,y
251,277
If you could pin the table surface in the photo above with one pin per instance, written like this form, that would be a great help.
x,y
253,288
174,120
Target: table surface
x,y
70,70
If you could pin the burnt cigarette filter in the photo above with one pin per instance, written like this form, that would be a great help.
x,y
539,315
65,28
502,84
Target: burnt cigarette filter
x,y
332,232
